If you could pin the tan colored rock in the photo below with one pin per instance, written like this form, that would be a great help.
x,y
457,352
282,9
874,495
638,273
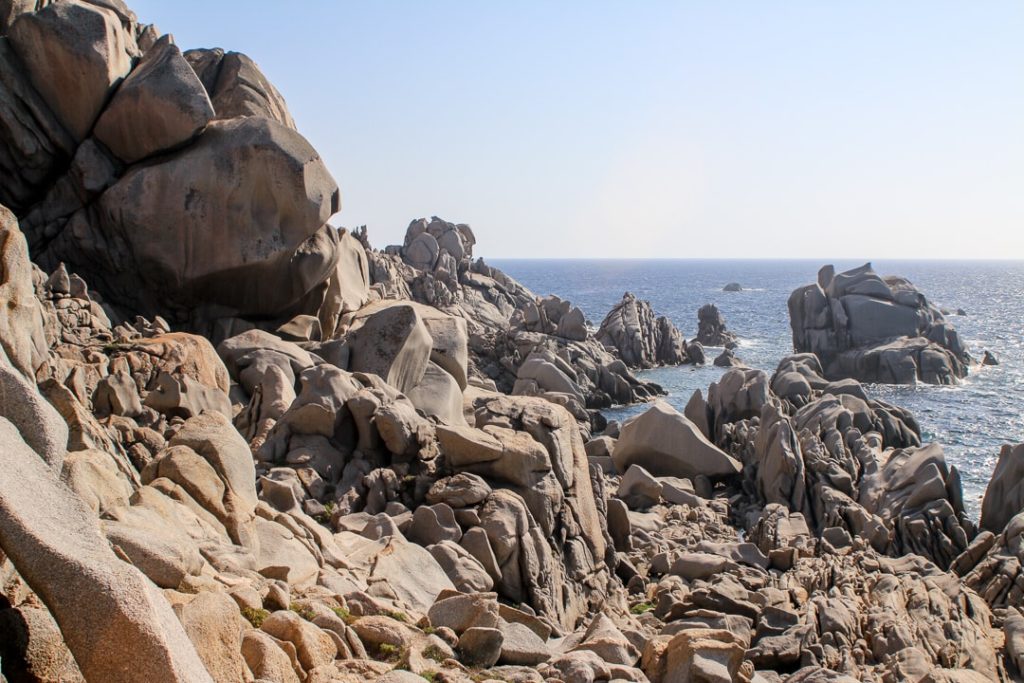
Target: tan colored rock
x,y
213,438
32,647
709,655
215,627
390,340
349,286
663,441
114,620
94,476
75,54
265,658
313,646
42,426
238,87
161,105
22,326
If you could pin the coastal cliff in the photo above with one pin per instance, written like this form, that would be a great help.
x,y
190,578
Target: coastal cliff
x,y
240,444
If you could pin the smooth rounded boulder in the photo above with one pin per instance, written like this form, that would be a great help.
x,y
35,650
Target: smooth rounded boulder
x,y
236,219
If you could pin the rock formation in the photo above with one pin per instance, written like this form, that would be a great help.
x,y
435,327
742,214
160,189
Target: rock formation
x,y
711,330
875,329
641,340
518,343
159,184
385,465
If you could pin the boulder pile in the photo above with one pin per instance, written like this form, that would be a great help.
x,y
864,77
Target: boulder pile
x,y
176,184
520,343
875,329
293,459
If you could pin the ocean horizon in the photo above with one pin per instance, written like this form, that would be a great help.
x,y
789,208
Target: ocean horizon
x,y
971,420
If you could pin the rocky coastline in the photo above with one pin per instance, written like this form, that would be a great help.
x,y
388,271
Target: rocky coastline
x,y
239,444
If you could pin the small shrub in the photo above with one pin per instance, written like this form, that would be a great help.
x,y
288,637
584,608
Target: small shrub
x,y
343,614
435,653
389,652
255,615
641,607
429,675
303,611
397,616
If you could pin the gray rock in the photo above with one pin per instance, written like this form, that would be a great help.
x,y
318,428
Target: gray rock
x,y
521,646
666,443
75,53
639,488
480,646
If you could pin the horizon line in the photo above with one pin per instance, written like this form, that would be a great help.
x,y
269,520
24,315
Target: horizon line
x,y
950,259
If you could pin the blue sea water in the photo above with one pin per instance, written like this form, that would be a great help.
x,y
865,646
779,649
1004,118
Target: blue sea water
x,y
971,420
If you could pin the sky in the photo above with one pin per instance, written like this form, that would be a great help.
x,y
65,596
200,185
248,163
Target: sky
x,y
572,129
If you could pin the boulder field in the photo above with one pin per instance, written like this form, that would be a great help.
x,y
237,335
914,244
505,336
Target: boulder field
x,y
241,445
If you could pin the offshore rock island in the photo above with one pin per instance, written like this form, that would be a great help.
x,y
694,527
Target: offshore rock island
x,y
239,444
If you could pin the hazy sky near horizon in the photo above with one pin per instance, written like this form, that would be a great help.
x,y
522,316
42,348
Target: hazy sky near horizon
x,y
797,129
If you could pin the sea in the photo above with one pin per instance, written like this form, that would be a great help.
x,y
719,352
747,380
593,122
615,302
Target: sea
x,y
971,420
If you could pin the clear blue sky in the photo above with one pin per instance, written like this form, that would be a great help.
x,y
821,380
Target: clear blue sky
x,y
655,129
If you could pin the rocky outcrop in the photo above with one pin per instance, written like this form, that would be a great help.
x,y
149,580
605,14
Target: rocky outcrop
x,y
711,330
667,443
642,341
352,497
176,184
1004,497
518,343
875,329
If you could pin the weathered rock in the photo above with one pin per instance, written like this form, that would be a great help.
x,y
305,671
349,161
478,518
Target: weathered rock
x,y
190,243
237,87
665,442
711,330
349,287
641,340
215,627
160,106
32,648
391,341
22,326
75,53
1004,497
480,646
638,488
875,329
521,646
312,645
81,580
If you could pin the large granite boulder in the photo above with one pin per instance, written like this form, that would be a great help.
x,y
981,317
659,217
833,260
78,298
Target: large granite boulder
x,y
161,105
75,53
22,325
1004,497
237,86
105,608
236,219
641,340
34,144
875,329
666,443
